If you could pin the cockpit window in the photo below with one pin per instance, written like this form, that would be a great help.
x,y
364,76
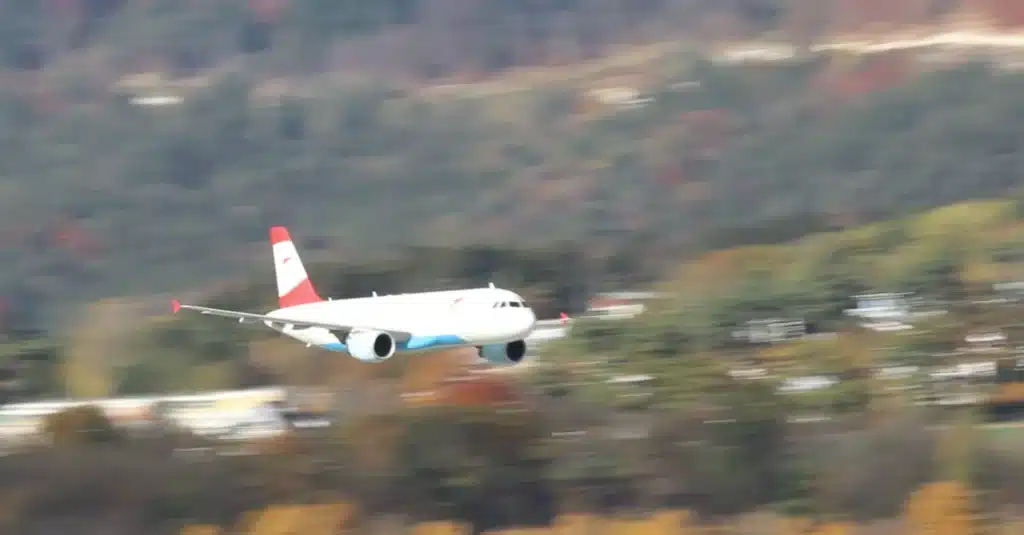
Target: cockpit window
x,y
513,304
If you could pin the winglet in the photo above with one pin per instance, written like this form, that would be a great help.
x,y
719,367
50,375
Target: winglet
x,y
565,318
175,306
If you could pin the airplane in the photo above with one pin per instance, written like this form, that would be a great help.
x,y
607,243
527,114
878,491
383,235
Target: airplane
x,y
373,329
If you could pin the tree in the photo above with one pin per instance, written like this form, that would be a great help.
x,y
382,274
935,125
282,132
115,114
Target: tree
x,y
79,426
476,465
941,508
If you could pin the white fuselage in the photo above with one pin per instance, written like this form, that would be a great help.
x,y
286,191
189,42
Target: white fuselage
x,y
473,317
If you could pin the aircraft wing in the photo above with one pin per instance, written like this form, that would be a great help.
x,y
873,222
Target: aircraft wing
x,y
245,317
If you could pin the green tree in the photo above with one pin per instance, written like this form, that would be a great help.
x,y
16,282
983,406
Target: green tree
x,y
480,466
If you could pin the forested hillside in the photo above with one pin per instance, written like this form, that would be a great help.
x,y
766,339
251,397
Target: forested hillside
x,y
576,447
954,259
114,199
103,196
427,38
146,146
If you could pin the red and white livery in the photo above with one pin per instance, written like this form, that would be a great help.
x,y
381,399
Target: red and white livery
x,y
495,321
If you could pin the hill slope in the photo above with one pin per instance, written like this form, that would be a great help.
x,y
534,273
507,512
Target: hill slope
x,y
102,198
426,39
947,254
113,199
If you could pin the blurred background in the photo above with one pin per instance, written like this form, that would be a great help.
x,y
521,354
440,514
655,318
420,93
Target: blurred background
x,y
789,234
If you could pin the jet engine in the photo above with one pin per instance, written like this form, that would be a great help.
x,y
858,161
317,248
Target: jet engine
x,y
370,346
503,354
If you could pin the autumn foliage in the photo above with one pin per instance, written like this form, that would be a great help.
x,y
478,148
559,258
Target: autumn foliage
x,y
940,508
78,426
478,391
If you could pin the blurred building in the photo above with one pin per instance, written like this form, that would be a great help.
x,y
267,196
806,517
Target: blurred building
x,y
885,312
989,341
771,331
222,414
620,304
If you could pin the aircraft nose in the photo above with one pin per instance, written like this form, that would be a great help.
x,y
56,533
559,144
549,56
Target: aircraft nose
x,y
529,320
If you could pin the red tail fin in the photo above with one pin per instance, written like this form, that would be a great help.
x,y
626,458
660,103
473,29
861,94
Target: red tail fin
x,y
293,284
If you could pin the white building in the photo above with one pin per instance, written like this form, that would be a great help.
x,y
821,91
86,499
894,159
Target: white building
x,y
771,330
885,312
620,305
204,413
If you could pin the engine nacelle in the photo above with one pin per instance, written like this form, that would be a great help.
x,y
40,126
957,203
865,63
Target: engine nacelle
x,y
503,354
370,346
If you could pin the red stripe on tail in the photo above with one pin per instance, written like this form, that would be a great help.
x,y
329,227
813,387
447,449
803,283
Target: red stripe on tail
x,y
279,234
302,294
293,285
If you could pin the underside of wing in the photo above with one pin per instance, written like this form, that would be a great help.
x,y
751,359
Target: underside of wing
x,y
275,321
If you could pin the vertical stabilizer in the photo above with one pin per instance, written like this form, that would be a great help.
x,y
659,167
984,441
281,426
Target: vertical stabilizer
x,y
293,284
